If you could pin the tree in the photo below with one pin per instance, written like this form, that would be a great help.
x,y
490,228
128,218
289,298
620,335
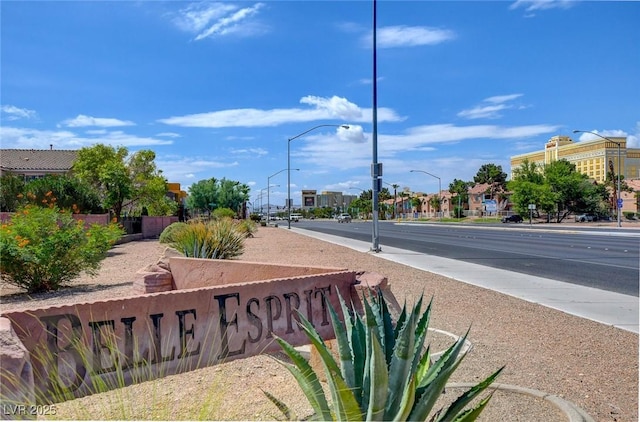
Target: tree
x,y
567,185
121,180
395,187
555,188
492,175
461,190
416,203
209,194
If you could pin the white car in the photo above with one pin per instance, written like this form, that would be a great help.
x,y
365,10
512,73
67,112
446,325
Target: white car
x,y
344,218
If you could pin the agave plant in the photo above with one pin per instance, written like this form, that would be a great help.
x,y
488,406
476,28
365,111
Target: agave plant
x,y
382,373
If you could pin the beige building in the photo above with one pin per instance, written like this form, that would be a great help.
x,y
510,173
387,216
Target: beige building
x,y
590,157
593,158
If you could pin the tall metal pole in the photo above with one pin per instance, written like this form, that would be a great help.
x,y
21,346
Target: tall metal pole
x,y
289,166
289,184
619,194
376,173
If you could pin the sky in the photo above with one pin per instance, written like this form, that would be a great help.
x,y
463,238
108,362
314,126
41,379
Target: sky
x,y
217,89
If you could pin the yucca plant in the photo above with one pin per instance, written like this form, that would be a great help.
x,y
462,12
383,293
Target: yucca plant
x,y
382,373
218,239
248,227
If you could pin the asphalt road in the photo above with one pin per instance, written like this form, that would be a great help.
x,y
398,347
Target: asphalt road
x,y
607,259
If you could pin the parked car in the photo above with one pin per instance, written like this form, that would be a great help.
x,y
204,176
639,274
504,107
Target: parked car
x,y
296,217
344,218
515,218
582,218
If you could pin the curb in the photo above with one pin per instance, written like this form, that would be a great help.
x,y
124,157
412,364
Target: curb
x,y
570,410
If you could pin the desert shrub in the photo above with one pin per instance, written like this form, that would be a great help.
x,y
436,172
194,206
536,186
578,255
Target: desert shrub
x,y
255,217
42,249
247,227
218,239
168,234
383,372
219,213
629,215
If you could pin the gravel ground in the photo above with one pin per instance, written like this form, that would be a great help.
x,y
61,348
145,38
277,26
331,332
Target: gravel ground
x,y
589,364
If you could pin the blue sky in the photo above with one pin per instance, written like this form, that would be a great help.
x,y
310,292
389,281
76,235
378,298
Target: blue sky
x,y
216,89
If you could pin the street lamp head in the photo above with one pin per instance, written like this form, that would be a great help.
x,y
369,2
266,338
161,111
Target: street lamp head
x,y
345,126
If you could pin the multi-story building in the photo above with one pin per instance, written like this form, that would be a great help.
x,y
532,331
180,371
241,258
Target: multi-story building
x,y
592,158
337,200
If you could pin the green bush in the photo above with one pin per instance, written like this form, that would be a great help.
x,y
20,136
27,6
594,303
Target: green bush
x,y
42,249
218,239
219,213
629,215
382,373
168,234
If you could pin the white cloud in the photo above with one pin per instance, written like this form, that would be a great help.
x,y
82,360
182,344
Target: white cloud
x,y
15,113
196,16
81,121
354,134
490,107
535,5
498,99
489,112
217,19
408,36
182,170
169,134
334,108
320,151
250,151
632,140
24,138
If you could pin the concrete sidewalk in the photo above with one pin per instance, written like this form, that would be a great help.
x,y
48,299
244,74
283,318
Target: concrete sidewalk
x,y
606,307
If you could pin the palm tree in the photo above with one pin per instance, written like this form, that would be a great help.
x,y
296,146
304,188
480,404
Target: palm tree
x,y
395,187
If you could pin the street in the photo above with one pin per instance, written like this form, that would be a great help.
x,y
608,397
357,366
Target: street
x,y
606,259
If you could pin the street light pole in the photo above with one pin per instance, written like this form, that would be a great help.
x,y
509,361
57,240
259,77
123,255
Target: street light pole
x,y
439,190
376,168
619,195
289,166
268,191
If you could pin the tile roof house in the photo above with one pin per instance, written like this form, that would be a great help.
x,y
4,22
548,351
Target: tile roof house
x,y
34,163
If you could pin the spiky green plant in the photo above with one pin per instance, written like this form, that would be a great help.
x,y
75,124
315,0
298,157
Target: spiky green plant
x,y
248,227
218,239
382,373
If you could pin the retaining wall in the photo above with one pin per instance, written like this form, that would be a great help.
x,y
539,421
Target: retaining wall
x,y
212,311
